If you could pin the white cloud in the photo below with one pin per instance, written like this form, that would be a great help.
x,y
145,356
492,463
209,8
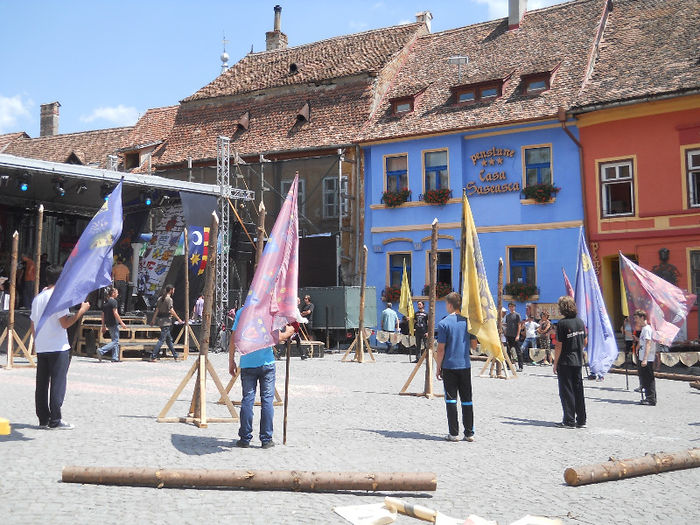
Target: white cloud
x,y
378,5
12,110
499,8
119,115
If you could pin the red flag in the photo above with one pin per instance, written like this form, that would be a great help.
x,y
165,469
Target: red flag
x,y
567,283
666,305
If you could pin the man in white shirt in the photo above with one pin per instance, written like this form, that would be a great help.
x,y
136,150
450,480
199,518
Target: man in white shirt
x,y
645,359
52,354
530,338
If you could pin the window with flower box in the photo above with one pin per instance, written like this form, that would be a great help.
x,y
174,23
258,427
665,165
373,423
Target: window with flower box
x,y
435,170
396,173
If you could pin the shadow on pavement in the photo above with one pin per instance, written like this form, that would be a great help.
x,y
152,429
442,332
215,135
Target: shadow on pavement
x,y
15,435
400,434
529,422
615,401
197,445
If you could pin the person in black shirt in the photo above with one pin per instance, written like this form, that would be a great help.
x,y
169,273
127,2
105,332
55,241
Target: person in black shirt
x,y
111,321
420,329
568,360
307,310
513,324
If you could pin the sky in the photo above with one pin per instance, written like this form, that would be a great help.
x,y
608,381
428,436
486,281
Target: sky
x,y
106,62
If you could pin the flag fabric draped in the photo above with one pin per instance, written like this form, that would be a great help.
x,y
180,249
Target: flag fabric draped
x,y
477,303
197,210
89,266
406,302
272,299
623,295
567,284
602,346
666,305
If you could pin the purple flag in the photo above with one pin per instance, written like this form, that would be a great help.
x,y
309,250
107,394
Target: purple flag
x,y
666,305
602,346
89,266
272,299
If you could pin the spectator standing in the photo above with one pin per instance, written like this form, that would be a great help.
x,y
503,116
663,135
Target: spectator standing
x,y
389,323
513,324
568,360
531,327
454,368
645,359
29,276
112,321
198,308
52,355
543,340
120,276
307,311
420,329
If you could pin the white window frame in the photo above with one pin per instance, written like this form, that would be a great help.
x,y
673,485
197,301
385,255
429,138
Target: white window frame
x,y
339,198
301,193
692,171
605,213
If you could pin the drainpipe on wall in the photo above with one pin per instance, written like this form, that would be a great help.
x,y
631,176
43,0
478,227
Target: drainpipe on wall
x,y
562,118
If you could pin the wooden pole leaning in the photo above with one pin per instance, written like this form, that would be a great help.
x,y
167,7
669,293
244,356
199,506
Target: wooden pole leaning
x,y
358,344
9,333
198,407
501,370
186,329
288,345
37,252
428,354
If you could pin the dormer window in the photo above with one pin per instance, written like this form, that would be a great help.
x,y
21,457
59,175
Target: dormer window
x,y
538,80
478,91
402,105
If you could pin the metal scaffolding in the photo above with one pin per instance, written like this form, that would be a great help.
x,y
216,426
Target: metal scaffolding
x,y
223,175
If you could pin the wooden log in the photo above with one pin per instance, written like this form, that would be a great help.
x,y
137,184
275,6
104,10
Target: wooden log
x,y
696,384
13,295
415,511
628,468
261,233
37,250
297,481
428,388
658,375
209,275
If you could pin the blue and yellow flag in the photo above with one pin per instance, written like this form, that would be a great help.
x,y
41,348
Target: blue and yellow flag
x,y
406,302
89,266
197,210
602,346
477,302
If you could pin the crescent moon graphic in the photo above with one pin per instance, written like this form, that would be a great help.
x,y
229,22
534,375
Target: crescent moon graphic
x,y
196,238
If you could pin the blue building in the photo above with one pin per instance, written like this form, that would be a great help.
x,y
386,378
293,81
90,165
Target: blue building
x,y
481,108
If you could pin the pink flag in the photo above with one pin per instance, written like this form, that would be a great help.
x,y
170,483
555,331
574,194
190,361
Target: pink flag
x,y
666,305
272,299
567,284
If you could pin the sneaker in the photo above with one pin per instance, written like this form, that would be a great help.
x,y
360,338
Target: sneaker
x,y
450,437
561,424
638,389
268,444
580,425
469,438
242,444
115,360
647,402
61,425
43,426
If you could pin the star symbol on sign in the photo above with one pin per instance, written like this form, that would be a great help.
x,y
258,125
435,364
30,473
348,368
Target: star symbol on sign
x,y
483,162
499,160
491,162
194,259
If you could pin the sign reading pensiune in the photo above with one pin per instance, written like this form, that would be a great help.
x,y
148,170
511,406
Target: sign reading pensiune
x,y
491,180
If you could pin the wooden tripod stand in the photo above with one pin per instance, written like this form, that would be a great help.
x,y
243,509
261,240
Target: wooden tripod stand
x,y
360,337
198,409
9,333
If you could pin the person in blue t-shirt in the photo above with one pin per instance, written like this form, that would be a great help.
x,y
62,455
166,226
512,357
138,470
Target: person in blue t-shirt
x,y
454,367
256,367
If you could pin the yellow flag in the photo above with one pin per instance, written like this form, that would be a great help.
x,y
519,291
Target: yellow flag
x,y
477,303
623,297
405,302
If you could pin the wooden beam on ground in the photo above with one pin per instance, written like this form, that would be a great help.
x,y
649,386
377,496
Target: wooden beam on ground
x,y
292,480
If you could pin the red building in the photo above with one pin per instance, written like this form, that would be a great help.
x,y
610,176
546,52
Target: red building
x,y
639,124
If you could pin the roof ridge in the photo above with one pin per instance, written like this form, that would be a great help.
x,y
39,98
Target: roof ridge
x,y
337,37
120,128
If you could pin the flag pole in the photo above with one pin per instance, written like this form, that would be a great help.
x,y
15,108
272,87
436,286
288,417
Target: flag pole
x,y
37,254
186,342
288,346
431,314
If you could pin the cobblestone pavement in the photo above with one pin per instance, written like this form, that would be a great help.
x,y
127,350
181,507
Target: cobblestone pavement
x,y
345,417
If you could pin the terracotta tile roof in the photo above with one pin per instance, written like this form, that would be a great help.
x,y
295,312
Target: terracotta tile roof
x,y
8,138
563,34
649,47
337,112
154,126
89,147
337,57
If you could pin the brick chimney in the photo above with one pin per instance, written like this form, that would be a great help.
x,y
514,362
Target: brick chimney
x,y
276,39
48,126
516,12
424,17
